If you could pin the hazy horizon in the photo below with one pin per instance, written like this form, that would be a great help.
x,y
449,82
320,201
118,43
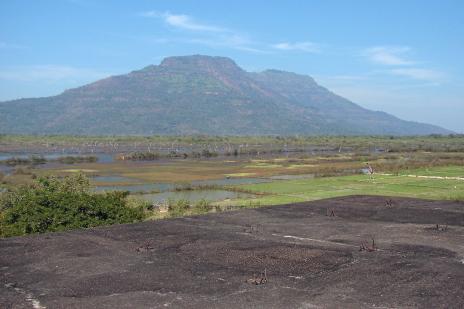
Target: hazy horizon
x,y
401,58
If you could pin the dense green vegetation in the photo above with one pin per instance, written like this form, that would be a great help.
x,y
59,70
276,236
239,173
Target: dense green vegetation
x,y
32,160
152,156
76,159
140,156
52,204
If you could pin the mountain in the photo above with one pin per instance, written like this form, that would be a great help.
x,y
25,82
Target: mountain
x,y
200,95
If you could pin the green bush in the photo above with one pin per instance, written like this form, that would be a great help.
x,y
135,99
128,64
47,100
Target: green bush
x,y
36,160
208,154
178,208
134,201
53,204
141,156
77,159
183,186
32,160
202,206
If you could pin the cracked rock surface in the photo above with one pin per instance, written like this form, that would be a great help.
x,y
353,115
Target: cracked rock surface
x,y
311,260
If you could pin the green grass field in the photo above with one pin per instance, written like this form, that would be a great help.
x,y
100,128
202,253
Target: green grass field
x,y
442,171
290,191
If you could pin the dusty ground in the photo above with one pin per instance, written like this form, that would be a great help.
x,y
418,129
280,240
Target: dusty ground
x,y
312,259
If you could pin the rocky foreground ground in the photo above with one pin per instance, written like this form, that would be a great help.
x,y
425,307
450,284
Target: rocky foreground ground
x,y
350,252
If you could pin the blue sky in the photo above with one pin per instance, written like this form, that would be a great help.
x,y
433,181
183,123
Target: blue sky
x,y
402,57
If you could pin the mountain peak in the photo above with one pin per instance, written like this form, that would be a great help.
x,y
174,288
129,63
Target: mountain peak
x,y
200,95
201,61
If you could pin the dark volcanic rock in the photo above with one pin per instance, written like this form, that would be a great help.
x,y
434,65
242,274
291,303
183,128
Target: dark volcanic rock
x,y
311,260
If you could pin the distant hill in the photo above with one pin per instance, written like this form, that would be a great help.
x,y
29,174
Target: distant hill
x,y
200,95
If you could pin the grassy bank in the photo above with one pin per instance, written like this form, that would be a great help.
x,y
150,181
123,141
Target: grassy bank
x,y
405,184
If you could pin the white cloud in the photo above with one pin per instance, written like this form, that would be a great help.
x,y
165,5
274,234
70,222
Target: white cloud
x,y
186,22
216,36
50,73
420,74
298,46
396,56
205,34
388,55
183,21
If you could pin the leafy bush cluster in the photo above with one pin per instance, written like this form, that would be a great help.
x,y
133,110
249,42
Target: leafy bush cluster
x,y
77,159
151,156
202,206
37,160
141,156
183,208
178,208
53,204
32,160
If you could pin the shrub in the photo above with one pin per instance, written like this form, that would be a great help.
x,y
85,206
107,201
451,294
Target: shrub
x,y
77,159
202,206
16,161
208,154
178,208
52,204
32,160
183,186
138,202
141,156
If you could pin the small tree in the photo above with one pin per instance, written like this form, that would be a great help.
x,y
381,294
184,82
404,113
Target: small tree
x,y
53,204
